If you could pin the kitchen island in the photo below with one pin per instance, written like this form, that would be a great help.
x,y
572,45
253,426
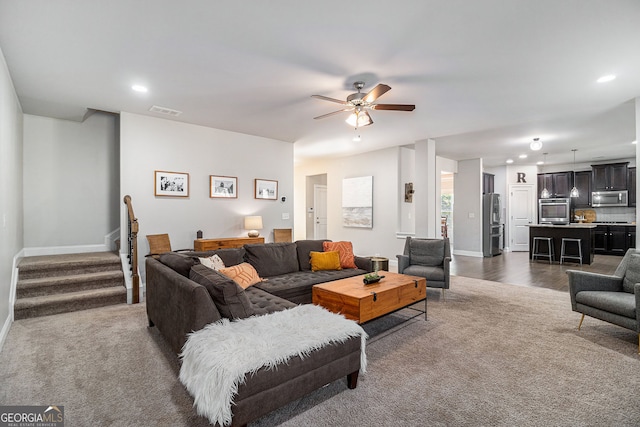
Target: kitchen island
x,y
585,232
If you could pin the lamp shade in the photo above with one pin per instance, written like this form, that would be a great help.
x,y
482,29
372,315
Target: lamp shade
x,y
253,224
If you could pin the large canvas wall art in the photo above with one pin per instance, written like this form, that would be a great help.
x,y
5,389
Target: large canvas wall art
x,y
357,202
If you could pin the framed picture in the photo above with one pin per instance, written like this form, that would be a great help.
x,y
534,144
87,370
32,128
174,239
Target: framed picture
x,y
223,186
171,184
357,202
266,189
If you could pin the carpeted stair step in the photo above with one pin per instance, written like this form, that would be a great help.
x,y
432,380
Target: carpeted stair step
x,y
60,284
25,308
68,264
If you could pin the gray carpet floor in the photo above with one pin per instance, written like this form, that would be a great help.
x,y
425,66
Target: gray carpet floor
x,y
491,355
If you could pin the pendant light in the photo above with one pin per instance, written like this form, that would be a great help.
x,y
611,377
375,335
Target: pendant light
x,y
544,194
574,190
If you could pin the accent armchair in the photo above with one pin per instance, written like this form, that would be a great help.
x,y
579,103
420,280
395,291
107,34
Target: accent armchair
x,y
428,258
612,298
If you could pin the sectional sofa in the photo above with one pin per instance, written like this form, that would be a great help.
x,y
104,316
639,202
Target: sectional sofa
x,y
177,305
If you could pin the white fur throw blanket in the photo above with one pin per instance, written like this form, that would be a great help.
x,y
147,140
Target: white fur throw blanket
x,y
216,359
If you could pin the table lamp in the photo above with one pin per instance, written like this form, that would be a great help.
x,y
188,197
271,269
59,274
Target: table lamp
x,y
253,224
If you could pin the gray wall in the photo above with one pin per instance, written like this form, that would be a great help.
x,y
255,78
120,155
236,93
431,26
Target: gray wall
x,y
150,144
71,180
11,208
467,211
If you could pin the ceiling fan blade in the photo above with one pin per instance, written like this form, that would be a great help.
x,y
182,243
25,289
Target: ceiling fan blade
x,y
376,92
326,98
334,113
396,107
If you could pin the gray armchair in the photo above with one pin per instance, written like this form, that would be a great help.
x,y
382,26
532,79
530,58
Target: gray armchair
x,y
428,258
612,298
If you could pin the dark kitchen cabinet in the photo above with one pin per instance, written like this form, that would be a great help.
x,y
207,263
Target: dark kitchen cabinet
x,y
582,182
559,183
487,183
613,239
610,176
631,186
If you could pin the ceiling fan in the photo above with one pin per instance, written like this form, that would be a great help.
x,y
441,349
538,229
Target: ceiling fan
x,y
358,104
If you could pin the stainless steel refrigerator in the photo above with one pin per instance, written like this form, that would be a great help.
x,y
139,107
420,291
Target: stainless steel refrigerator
x,y
491,225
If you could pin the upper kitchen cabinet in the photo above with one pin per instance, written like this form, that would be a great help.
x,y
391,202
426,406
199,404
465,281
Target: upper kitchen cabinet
x,y
487,183
631,184
583,184
559,183
610,177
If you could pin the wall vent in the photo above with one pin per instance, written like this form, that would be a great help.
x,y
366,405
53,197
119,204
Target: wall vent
x,y
165,110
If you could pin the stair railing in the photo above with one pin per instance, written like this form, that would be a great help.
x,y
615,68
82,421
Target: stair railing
x,y
132,249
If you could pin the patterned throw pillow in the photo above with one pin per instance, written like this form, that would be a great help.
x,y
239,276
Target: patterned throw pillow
x,y
325,260
214,262
346,252
243,274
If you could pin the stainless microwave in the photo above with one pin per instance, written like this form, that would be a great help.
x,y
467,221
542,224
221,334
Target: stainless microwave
x,y
554,211
609,198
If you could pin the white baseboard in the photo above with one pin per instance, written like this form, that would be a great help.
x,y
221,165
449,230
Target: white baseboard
x,y
5,328
12,297
468,253
110,239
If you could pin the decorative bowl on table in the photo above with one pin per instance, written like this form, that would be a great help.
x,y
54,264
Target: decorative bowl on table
x,y
371,278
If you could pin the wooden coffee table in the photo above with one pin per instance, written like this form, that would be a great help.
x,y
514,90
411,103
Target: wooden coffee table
x,y
357,301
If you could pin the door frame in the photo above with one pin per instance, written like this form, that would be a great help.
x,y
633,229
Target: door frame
x,y
532,210
317,187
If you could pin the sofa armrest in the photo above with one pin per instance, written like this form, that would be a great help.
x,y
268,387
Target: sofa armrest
x,y
403,262
446,265
176,305
364,263
587,281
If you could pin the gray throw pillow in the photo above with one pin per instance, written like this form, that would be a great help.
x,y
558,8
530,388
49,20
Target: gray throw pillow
x,y
178,262
632,275
426,252
227,295
272,259
304,249
230,257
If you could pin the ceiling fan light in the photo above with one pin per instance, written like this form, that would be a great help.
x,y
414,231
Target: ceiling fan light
x,y
358,119
352,120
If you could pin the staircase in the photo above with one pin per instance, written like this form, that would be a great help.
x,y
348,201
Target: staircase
x,y
62,283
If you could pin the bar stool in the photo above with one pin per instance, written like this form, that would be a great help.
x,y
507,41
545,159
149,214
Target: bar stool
x,y
563,254
536,249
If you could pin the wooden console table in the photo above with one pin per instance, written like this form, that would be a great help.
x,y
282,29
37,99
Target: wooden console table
x,y
224,243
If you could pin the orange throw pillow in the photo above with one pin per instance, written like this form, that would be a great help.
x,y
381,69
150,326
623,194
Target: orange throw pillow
x,y
346,252
243,274
325,260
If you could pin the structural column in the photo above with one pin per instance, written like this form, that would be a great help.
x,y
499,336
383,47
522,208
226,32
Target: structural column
x,y
425,187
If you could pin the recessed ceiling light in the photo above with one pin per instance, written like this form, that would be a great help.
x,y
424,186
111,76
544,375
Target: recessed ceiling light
x,y
606,78
509,161
634,142
540,162
522,156
536,144
140,88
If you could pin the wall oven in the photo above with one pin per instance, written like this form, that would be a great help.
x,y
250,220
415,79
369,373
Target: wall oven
x,y
554,211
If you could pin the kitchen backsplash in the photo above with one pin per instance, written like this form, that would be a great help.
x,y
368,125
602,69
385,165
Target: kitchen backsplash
x,y
615,214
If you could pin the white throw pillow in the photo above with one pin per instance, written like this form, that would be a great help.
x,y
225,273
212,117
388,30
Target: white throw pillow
x,y
214,262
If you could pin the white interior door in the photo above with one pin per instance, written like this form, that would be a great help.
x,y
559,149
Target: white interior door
x,y
320,211
522,212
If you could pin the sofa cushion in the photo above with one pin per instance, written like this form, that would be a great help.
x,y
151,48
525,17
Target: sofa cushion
x,y
428,272
180,263
621,303
296,287
426,252
231,256
304,248
227,295
325,260
264,302
632,275
272,259
214,262
243,274
346,252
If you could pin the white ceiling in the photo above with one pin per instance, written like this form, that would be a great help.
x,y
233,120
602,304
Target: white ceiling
x,y
487,76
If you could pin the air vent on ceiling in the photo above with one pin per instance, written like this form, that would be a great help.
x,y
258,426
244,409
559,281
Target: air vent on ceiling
x,y
165,110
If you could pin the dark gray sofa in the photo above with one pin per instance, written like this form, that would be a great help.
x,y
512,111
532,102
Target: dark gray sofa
x,y
177,305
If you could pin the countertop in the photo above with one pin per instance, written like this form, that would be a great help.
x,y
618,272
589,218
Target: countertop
x,y
572,225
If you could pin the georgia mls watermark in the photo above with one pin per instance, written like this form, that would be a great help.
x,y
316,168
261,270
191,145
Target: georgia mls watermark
x,y
32,416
